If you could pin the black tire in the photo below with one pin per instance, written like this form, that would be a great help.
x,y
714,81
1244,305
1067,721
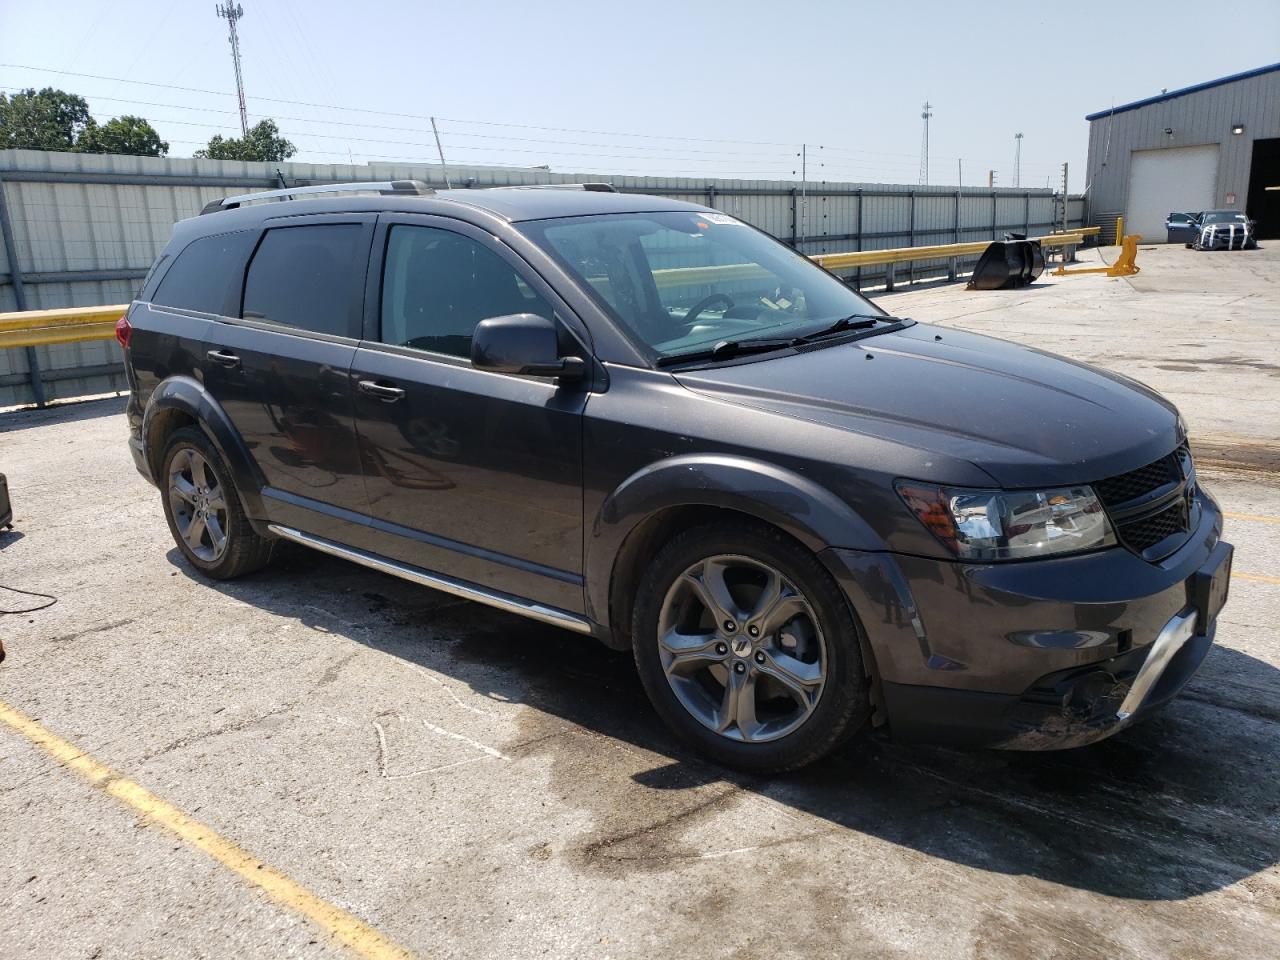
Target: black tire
x,y
244,550
843,706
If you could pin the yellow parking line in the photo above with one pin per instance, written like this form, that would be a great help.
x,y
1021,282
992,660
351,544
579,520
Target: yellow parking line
x,y
1256,517
1258,577
339,924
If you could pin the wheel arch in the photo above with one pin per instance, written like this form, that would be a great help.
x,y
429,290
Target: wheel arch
x,y
647,508
183,401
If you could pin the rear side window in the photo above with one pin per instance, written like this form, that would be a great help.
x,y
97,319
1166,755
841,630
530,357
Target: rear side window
x,y
206,274
306,277
437,285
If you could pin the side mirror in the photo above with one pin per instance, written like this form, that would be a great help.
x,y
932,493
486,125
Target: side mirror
x,y
522,343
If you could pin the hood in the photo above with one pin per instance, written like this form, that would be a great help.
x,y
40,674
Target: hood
x,y
1025,417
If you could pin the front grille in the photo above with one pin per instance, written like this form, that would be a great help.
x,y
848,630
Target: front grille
x,y
1141,535
1142,512
1137,483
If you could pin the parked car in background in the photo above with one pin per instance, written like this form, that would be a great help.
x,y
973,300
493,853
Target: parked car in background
x,y
1180,227
1212,230
1224,230
646,421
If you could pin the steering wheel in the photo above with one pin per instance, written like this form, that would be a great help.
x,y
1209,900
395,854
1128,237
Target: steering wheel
x,y
705,302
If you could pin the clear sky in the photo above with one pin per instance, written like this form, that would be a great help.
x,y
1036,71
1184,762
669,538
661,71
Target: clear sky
x,y
702,88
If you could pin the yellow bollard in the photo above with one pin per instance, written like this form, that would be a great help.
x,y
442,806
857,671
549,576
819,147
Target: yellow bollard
x,y
1119,231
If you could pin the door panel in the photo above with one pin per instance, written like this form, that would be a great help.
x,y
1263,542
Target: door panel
x,y
290,398
1180,228
478,475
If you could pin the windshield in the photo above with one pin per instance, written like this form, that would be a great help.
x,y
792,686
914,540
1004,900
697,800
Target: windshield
x,y
1225,217
685,281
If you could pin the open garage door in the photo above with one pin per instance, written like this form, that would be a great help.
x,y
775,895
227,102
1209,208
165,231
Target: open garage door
x,y
1180,179
1264,188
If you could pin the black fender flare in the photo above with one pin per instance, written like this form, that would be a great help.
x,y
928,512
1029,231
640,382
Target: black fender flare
x,y
187,395
776,495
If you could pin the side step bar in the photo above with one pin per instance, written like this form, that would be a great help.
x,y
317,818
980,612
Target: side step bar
x,y
459,588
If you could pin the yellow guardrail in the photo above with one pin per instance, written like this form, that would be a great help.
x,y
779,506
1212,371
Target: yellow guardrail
x,y
945,251
34,328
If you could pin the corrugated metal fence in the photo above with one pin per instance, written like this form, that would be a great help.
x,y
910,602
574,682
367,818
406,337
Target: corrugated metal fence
x,y
85,228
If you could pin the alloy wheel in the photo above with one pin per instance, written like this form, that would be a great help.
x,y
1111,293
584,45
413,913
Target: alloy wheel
x,y
742,648
199,504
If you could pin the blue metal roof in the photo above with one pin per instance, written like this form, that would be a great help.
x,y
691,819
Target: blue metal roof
x,y
1173,94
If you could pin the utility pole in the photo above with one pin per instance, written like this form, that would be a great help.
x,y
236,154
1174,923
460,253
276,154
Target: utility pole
x,y
1017,160
440,150
991,178
231,14
801,199
1064,197
925,114
960,173
804,190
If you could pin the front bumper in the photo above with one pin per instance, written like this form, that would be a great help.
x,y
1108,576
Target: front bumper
x,y
1035,655
1225,240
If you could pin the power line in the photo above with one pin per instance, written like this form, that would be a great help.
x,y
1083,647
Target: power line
x,y
661,151
404,116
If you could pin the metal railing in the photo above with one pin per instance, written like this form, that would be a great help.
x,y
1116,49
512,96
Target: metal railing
x,y
33,328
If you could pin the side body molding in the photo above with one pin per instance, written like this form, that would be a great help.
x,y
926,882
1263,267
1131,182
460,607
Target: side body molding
x,y
187,395
808,511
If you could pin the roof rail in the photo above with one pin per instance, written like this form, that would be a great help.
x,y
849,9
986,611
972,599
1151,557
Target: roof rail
x,y
590,187
411,187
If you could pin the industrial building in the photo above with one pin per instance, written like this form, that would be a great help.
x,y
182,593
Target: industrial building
x,y
1215,145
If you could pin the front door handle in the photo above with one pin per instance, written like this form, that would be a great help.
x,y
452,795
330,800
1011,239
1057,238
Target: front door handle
x,y
385,392
223,358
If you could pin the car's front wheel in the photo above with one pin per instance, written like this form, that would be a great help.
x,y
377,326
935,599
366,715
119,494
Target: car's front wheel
x,y
747,648
203,509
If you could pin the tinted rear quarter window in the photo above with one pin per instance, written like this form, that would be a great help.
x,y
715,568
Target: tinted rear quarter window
x,y
206,274
306,277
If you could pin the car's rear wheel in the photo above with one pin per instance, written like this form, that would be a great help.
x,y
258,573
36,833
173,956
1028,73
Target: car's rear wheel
x,y
203,509
747,648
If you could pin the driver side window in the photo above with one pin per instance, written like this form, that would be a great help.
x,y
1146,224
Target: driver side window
x,y
688,268
437,285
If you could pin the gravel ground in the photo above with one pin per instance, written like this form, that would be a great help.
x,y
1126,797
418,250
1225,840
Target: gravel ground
x,y
473,785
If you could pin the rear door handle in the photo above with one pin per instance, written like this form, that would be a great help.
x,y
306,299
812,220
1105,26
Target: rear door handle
x,y
383,391
223,358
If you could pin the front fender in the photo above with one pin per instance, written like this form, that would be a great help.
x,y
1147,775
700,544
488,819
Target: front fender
x,y
806,510
188,396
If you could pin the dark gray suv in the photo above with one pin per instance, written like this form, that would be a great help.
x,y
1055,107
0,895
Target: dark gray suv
x,y
646,421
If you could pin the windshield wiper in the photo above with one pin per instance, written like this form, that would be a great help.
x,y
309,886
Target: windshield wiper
x,y
855,321
727,349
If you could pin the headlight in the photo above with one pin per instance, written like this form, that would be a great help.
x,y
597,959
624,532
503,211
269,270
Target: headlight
x,y
1010,524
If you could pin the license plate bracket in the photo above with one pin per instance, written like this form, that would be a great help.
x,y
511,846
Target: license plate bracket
x,y
1210,585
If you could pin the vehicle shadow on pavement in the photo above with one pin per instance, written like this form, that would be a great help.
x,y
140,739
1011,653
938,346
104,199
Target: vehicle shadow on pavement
x,y
1180,805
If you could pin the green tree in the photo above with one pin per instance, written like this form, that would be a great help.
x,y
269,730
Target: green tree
x,y
48,120
262,142
128,135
